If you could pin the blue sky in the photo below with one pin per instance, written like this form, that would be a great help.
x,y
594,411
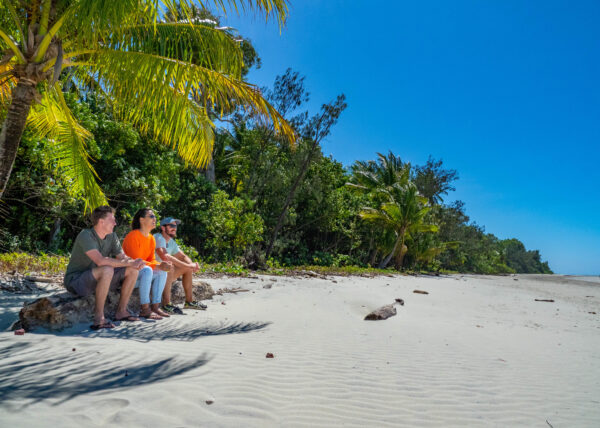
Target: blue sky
x,y
505,92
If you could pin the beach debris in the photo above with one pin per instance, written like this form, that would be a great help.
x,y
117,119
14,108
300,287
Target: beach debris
x,y
593,313
40,279
334,281
515,279
269,355
544,300
479,326
74,349
63,309
267,286
19,332
223,303
589,296
384,312
420,292
222,291
549,424
209,402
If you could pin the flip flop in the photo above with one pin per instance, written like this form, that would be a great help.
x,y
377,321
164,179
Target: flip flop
x,y
128,318
152,316
105,324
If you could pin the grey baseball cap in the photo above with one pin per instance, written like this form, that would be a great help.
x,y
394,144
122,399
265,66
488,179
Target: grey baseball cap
x,y
169,220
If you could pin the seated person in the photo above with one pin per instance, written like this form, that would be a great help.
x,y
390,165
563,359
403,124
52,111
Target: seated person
x,y
140,243
168,250
98,264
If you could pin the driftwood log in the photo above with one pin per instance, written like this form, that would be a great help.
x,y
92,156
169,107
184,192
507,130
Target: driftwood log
x,y
384,312
63,309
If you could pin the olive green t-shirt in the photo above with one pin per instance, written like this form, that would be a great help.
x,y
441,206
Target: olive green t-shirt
x,y
88,240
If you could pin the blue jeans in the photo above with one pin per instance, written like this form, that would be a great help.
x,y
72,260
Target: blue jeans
x,y
151,283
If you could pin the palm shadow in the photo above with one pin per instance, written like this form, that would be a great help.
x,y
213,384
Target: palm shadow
x,y
29,374
148,331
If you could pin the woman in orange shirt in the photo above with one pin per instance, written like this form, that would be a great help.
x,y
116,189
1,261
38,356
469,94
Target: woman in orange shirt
x,y
140,244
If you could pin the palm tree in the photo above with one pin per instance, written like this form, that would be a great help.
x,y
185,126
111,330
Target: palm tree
x,y
403,213
162,77
381,174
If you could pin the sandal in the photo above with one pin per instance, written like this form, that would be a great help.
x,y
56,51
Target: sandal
x,y
151,316
105,324
128,318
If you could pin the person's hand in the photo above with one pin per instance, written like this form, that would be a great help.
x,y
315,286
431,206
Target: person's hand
x,y
138,264
196,267
166,266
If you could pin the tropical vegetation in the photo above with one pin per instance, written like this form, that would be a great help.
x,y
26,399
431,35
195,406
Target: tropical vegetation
x,y
156,112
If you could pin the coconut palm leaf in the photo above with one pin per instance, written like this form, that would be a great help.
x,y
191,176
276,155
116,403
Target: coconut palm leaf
x,y
7,83
53,120
199,44
162,87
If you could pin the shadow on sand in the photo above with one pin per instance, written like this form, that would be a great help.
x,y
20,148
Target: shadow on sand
x,y
31,373
151,330
148,330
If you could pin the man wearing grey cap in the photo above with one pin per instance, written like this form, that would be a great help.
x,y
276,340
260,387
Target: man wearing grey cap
x,y
168,250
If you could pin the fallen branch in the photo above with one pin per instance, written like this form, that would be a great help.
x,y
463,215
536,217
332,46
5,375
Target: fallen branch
x,y
544,300
222,291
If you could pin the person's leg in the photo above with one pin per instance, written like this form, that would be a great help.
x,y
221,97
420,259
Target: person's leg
x,y
190,303
187,285
172,275
103,276
159,279
130,278
144,283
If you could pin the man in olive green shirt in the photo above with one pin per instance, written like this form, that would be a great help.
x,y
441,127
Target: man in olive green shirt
x,y
98,264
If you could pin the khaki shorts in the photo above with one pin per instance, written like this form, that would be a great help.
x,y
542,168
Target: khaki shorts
x,y
84,283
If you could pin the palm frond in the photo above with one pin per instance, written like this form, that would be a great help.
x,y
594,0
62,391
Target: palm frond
x,y
156,84
198,44
277,9
89,21
52,119
7,82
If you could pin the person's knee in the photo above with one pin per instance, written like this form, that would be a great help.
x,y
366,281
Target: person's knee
x,y
131,272
145,272
106,272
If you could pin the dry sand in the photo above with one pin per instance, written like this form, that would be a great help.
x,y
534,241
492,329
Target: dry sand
x,y
475,351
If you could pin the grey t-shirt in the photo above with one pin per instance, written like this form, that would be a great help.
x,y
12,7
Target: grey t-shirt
x,y
171,246
88,240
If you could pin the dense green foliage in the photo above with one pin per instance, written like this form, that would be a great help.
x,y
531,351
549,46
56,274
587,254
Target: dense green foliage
x,y
260,190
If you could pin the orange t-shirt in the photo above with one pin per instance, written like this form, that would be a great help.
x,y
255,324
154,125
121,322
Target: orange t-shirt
x,y
138,246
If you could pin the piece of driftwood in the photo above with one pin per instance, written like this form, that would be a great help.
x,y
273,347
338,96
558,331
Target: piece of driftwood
x,y
420,292
63,309
384,312
544,300
222,291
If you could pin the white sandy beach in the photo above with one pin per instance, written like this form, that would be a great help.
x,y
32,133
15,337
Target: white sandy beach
x,y
475,351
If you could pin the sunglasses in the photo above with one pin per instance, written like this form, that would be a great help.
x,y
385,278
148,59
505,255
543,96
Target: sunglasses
x,y
174,226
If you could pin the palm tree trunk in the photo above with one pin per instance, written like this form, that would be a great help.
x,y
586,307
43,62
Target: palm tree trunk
x,y
386,261
12,128
399,241
401,254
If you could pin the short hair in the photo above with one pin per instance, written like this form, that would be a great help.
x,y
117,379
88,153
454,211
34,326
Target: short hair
x,y
101,212
135,223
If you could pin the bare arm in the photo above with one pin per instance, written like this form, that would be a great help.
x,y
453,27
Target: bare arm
x,y
121,260
178,260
